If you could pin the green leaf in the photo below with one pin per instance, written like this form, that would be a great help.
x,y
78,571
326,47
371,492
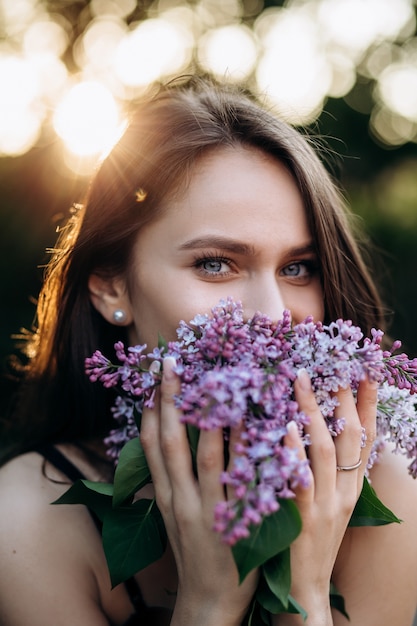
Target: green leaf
x,y
193,434
133,537
269,601
294,607
162,343
337,601
137,416
273,535
369,510
97,496
264,616
277,573
257,616
132,472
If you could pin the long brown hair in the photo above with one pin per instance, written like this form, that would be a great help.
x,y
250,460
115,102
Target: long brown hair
x,y
169,130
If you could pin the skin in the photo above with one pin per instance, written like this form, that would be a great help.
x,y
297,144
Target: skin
x,y
266,260
238,230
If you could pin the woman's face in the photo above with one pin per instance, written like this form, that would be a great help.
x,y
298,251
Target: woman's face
x,y
238,230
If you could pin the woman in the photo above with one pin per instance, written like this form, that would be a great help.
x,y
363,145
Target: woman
x,y
206,196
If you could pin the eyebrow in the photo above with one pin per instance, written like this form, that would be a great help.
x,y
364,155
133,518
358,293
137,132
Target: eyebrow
x,y
237,247
216,241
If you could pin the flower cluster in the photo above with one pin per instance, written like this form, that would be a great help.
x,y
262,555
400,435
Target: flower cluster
x,y
240,374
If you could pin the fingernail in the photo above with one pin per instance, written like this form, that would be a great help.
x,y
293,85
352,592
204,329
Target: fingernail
x,y
304,379
292,428
169,364
155,367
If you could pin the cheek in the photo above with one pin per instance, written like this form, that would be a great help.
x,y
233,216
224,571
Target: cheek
x,y
153,317
308,303
158,311
318,310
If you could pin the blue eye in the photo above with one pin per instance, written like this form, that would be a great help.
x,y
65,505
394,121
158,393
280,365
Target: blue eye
x,y
295,269
301,269
212,265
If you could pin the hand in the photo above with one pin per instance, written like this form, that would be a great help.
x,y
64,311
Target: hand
x,y
208,586
327,505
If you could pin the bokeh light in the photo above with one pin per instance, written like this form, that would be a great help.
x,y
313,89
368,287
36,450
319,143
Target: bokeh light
x,y
155,48
355,25
296,56
87,119
47,36
95,48
398,89
228,51
20,118
293,70
118,8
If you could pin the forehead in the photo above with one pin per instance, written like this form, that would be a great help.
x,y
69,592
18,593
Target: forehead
x,y
238,191
230,178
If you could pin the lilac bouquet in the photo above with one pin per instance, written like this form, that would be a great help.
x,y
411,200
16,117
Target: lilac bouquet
x,y
237,373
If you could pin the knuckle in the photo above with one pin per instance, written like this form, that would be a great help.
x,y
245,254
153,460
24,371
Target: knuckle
x,y
329,513
326,452
348,503
207,460
368,395
183,517
148,438
353,431
369,404
371,436
309,405
167,394
344,392
164,503
169,446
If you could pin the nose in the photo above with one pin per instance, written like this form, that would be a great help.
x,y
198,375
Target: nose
x,y
263,294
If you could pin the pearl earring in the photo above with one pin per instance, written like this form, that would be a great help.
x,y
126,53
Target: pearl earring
x,y
119,316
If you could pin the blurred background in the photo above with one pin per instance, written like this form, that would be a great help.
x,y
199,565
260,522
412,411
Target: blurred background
x,y
69,71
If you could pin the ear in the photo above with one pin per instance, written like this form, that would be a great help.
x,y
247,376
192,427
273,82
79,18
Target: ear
x,y
109,294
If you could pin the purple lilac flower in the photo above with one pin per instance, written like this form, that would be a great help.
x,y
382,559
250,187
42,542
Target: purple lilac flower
x,y
239,374
397,422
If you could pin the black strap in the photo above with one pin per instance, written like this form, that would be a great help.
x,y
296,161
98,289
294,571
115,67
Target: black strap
x,y
58,460
51,454
143,614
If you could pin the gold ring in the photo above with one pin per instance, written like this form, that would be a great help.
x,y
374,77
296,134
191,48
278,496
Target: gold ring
x,y
348,468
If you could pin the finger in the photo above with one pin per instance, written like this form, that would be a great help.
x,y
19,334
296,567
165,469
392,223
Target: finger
x,y
210,464
360,416
150,439
348,442
321,450
149,430
237,443
165,442
293,440
173,435
237,447
366,404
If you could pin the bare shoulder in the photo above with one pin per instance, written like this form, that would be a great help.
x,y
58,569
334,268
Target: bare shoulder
x,y
395,486
51,559
376,569
27,490
26,467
